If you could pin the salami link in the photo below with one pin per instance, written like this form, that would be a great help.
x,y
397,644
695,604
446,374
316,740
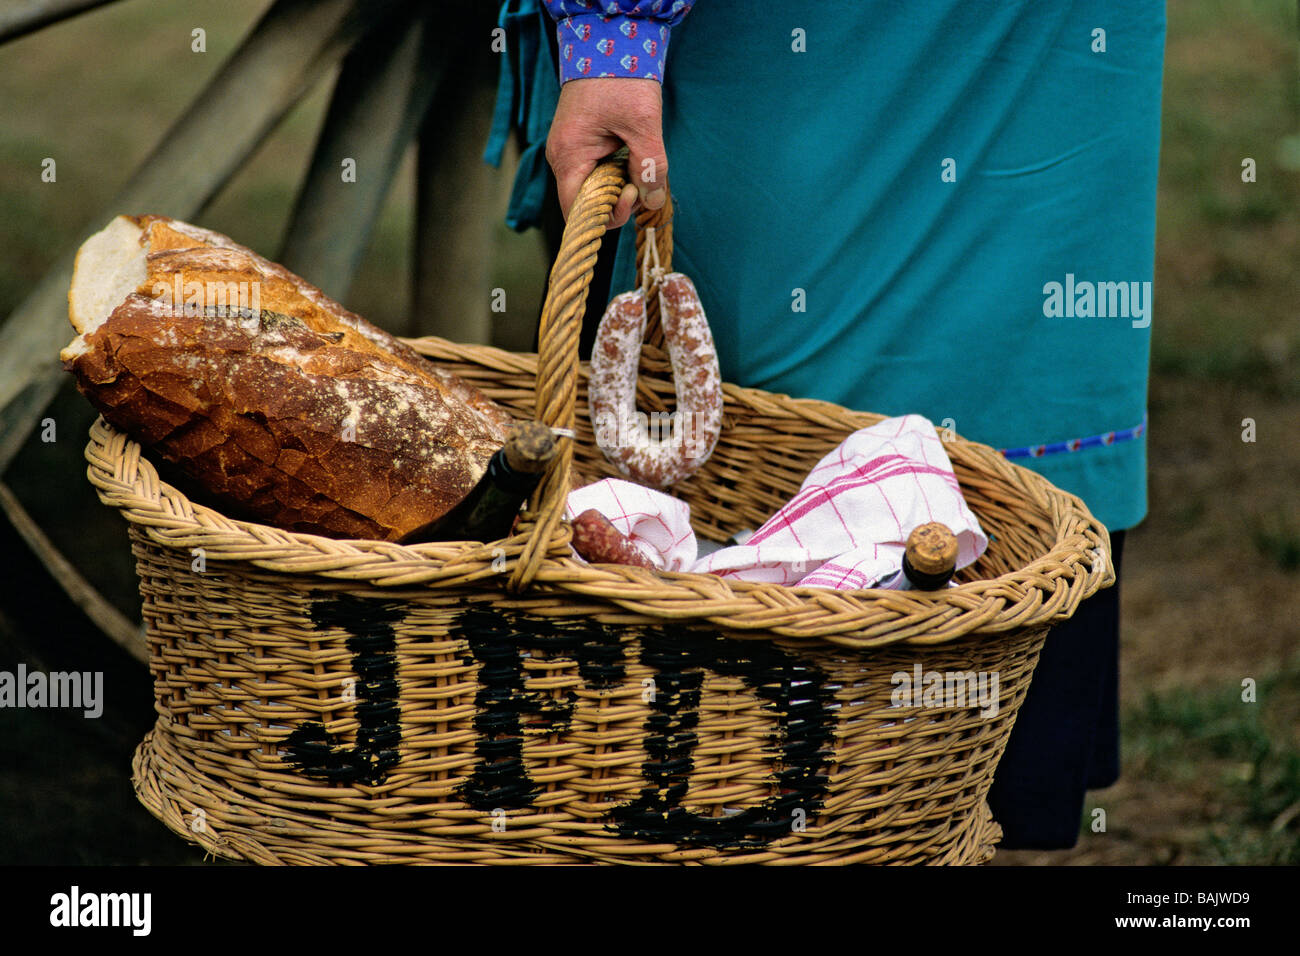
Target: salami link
x,y
623,433
597,540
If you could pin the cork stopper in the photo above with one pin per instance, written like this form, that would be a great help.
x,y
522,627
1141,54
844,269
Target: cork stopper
x,y
530,448
932,550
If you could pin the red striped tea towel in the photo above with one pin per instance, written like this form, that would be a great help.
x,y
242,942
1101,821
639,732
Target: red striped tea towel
x,y
848,525
658,524
846,528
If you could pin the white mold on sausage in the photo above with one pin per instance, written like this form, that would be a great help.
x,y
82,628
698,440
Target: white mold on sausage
x,y
625,434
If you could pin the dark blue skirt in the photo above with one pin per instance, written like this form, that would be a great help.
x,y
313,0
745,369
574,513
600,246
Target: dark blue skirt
x,y
1066,738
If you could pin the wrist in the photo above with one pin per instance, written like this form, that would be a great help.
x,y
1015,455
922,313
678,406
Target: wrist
x,y
594,45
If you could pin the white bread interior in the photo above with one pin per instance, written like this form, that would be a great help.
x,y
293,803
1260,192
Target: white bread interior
x,y
110,265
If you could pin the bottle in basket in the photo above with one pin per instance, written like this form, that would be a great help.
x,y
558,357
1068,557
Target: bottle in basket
x,y
929,561
488,512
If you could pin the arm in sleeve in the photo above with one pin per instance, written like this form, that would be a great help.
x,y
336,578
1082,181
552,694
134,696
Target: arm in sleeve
x,y
626,38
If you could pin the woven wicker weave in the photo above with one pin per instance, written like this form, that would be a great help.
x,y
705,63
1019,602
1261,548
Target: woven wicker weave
x,y
328,701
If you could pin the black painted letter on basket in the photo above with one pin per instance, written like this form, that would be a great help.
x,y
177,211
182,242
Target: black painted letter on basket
x,y
506,712
796,698
373,643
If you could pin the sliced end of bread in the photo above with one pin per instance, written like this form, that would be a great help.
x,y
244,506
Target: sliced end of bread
x,y
110,265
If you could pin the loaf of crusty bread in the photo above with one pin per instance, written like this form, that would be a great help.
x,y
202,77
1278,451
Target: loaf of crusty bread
x,y
277,402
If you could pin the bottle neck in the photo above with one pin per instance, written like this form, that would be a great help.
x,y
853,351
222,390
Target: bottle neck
x,y
925,582
507,479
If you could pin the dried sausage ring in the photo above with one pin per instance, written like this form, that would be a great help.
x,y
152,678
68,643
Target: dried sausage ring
x,y
625,434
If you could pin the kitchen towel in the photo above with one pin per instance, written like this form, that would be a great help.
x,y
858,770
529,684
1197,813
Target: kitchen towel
x,y
846,529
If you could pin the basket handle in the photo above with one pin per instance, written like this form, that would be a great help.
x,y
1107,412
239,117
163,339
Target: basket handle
x,y
559,329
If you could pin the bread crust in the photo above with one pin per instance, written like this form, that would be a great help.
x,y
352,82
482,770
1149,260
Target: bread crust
x,y
297,413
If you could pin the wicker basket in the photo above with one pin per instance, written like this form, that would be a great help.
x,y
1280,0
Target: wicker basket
x,y
326,701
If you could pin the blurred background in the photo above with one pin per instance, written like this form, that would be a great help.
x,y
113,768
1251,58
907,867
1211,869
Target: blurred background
x,y
1211,591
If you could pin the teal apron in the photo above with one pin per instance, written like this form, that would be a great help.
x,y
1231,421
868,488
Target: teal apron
x,y
880,219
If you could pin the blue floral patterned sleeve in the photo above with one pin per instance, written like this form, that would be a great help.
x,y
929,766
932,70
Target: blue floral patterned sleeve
x,y
615,37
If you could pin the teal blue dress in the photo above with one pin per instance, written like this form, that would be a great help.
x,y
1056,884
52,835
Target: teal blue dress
x,y
878,203
945,208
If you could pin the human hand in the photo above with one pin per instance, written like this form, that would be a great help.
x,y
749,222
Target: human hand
x,y
597,115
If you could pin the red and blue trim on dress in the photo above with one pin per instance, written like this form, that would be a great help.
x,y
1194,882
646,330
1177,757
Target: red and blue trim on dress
x,y
1077,444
